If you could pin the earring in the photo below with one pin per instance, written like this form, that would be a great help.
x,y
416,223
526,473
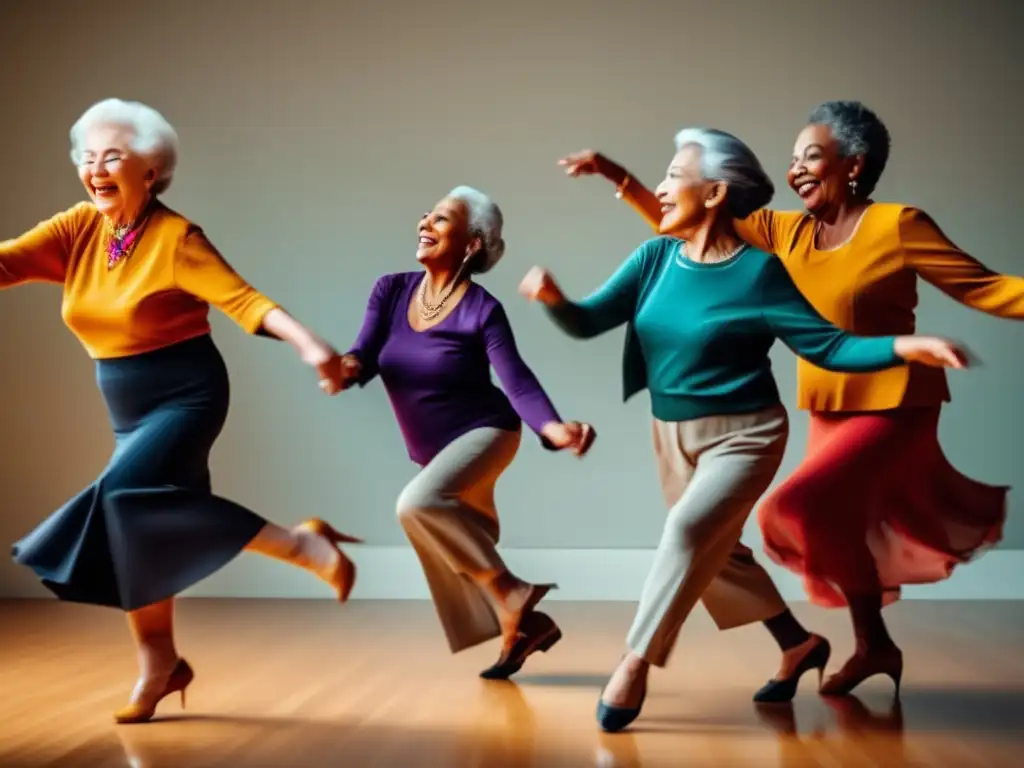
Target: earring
x,y
853,186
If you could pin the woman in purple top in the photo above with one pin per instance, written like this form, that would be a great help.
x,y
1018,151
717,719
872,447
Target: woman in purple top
x,y
433,336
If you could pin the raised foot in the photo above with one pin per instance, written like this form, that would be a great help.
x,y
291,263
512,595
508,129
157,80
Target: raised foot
x,y
342,577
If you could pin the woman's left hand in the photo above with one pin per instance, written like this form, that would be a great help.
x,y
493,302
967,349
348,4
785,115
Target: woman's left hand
x,y
931,351
570,435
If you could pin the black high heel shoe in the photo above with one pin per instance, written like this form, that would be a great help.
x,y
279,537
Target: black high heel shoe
x,y
860,667
780,691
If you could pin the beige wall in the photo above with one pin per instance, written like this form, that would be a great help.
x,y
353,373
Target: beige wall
x,y
315,134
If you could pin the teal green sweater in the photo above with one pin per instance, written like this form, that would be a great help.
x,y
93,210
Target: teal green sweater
x,y
699,334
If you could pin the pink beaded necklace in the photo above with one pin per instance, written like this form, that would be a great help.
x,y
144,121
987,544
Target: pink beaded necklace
x,y
121,241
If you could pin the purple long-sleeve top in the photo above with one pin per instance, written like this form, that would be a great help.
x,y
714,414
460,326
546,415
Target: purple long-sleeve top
x,y
439,380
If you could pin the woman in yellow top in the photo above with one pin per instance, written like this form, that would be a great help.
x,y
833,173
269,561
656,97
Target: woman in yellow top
x,y
875,504
138,282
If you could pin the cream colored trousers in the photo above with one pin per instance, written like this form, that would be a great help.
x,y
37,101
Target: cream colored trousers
x,y
712,471
448,513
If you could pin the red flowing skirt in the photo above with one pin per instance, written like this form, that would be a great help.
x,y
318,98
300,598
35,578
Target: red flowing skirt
x,y
875,505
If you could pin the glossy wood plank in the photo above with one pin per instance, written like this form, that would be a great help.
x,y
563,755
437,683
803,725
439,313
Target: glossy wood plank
x,y
309,683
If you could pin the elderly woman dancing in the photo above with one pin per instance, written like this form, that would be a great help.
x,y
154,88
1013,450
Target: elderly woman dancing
x,y
875,504
138,281
432,336
703,309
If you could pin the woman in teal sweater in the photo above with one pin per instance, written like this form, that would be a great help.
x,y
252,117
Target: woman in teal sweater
x,y
702,311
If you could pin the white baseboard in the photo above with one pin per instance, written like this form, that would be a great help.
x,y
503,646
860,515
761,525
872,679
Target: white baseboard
x,y
393,573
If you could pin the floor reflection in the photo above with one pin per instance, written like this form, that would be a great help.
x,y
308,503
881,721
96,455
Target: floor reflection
x,y
853,728
502,728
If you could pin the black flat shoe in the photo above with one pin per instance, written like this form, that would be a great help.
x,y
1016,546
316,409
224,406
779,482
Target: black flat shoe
x,y
613,719
537,632
780,691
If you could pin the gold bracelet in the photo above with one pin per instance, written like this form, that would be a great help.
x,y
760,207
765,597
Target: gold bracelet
x,y
621,189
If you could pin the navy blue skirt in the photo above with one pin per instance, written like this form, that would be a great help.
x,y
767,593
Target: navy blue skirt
x,y
149,527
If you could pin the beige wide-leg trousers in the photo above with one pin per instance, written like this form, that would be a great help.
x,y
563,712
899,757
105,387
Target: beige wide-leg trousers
x,y
448,513
712,471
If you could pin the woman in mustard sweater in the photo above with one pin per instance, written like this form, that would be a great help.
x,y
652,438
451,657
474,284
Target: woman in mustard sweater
x,y
875,503
702,310
138,281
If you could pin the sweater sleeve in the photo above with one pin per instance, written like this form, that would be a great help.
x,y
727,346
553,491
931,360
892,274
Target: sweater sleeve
x,y
200,270
42,254
643,201
768,230
794,321
374,330
935,258
611,305
519,382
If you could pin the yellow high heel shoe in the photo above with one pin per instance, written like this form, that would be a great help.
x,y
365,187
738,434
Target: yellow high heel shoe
x,y
343,577
140,712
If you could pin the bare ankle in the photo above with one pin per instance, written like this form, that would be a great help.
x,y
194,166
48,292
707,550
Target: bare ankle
x,y
635,663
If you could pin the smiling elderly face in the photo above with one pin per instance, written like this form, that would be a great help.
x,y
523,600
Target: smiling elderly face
x,y
444,237
116,177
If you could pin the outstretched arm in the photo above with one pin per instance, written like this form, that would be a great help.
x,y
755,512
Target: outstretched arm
x,y
611,305
40,255
200,270
527,396
801,328
627,186
519,382
764,229
373,334
935,258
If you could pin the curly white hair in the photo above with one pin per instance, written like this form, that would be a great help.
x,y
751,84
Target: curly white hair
x,y
153,137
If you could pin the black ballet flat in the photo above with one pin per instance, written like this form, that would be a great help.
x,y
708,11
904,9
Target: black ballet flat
x,y
613,719
537,633
781,691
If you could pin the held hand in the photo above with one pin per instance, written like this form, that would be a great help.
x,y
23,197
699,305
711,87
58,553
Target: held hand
x,y
570,435
539,285
931,351
329,367
351,369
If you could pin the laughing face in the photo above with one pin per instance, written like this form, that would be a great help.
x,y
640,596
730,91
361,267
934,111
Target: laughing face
x,y
685,195
444,234
818,172
117,179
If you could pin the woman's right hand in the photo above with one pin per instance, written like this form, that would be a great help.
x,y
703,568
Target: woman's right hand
x,y
931,351
539,285
587,162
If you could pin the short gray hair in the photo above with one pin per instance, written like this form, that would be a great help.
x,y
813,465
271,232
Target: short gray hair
x,y
858,131
486,222
153,137
727,159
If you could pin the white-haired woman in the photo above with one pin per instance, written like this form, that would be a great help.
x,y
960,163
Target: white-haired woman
x,y
138,281
702,310
856,541
432,336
